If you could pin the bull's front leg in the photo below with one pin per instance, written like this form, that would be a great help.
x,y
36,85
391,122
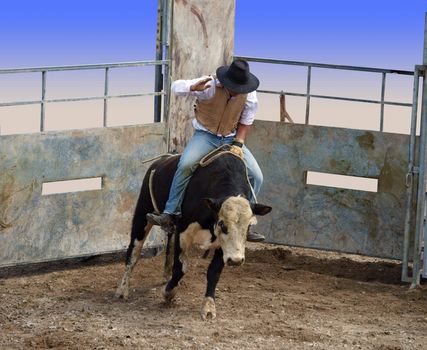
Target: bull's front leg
x,y
177,271
167,270
214,272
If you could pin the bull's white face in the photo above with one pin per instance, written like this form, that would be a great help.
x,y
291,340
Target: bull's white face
x,y
234,218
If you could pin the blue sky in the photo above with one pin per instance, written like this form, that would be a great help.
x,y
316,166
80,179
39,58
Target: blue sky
x,y
385,33
376,33
47,32
362,32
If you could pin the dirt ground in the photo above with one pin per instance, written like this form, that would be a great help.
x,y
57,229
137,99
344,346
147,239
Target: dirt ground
x,y
282,298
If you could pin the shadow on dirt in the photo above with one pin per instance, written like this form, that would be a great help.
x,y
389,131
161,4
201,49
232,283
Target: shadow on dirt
x,y
383,271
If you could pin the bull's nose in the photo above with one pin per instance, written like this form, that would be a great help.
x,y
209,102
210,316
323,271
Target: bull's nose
x,y
235,262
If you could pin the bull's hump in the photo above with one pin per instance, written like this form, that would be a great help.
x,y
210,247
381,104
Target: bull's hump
x,y
225,165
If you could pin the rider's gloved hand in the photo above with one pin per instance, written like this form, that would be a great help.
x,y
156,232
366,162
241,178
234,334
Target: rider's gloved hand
x,y
236,148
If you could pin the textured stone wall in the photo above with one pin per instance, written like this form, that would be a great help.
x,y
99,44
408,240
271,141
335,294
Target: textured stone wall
x,y
40,228
331,218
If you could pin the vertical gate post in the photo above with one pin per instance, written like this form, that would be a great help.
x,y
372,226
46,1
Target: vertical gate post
x,y
410,176
106,92
42,105
419,227
158,77
166,40
307,103
382,101
283,112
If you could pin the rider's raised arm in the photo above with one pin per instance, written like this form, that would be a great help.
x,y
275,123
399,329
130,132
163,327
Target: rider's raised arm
x,y
183,88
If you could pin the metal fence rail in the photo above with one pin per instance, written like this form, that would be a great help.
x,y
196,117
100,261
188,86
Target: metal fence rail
x,y
308,95
106,96
415,178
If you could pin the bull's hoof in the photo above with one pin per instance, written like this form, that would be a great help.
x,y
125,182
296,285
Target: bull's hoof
x,y
208,309
169,295
167,275
122,293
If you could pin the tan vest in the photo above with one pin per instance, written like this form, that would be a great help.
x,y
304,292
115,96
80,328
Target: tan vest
x,y
220,114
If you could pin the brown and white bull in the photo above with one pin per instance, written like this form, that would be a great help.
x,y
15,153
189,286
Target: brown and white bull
x,y
216,215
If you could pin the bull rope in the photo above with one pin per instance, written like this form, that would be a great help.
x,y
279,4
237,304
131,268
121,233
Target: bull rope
x,y
150,187
158,157
150,179
205,161
218,152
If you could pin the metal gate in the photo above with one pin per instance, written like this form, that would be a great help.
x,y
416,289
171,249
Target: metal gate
x,y
413,231
35,226
416,182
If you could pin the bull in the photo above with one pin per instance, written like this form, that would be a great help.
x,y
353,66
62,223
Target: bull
x,y
216,215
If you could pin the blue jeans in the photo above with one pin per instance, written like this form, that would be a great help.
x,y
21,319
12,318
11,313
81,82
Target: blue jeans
x,y
199,145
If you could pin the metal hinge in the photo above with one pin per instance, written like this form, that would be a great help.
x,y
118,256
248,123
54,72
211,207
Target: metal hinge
x,y
410,175
408,179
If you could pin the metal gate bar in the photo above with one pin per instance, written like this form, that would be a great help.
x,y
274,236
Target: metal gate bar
x,y
308,95
413,171
105,97
164,16
421,193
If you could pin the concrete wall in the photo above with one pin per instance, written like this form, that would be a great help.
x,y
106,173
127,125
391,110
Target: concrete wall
x,y
324,217
202,40
40,228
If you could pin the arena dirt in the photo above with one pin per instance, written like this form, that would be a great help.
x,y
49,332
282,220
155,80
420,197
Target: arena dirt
x,y
282,298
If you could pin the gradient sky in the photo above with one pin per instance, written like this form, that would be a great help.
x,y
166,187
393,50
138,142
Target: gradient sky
x,y
376,33
384,33
359,32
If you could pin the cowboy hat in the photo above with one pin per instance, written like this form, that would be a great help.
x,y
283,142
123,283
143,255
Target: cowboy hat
x,y
237,78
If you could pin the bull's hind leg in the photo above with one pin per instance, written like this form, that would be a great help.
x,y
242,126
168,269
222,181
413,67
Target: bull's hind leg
x,y
214,272
140,231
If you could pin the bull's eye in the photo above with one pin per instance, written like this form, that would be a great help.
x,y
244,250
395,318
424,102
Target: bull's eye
x,y
222,226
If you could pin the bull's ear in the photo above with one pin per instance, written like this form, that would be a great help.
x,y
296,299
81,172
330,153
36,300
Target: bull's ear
x,y
213,204
260,209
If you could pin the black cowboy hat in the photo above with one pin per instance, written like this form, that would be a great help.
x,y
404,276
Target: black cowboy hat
x,y
237,78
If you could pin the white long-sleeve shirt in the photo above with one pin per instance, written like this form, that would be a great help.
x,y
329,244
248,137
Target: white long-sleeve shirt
x,y
182,88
